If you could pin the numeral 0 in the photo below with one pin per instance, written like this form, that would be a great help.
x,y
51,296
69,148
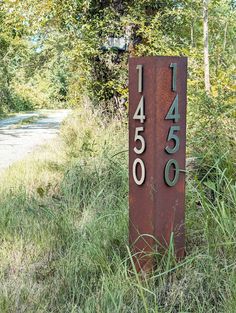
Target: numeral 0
x,y
138,181
170,163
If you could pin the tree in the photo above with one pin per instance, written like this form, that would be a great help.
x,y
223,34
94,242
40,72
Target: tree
x,y
206,47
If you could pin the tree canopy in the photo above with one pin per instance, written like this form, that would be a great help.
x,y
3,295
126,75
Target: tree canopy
x,y
53,51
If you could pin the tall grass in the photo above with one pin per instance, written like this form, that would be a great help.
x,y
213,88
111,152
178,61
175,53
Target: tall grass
x,y
64,231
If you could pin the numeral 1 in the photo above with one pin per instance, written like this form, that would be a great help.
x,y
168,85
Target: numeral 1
x,y
140,77
174,74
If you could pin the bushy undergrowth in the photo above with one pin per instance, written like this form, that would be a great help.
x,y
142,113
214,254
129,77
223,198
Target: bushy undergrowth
x,y
64,231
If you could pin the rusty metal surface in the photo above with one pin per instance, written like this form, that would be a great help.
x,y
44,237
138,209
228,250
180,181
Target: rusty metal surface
x,y
156,209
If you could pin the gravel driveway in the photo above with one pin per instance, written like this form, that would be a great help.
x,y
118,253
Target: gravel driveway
x,y
18,137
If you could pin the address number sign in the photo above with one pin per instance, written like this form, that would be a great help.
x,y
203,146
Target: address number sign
x,y
157,135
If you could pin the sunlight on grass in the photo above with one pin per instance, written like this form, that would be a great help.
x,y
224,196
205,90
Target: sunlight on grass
x,y
64,230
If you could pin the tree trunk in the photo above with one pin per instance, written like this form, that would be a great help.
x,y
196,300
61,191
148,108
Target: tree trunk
x,y
206,46
225,36
192,34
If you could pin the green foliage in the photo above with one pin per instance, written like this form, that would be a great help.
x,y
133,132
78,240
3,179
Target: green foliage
x,y
211,130
33,64
66,50
151,28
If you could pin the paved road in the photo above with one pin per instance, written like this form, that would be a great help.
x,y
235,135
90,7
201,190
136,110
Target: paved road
x,y
16,140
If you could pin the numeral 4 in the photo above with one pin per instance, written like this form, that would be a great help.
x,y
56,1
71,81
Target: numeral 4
x,y
139,113
173,113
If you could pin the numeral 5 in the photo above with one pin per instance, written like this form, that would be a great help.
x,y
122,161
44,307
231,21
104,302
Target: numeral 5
x,y
172,136
141,139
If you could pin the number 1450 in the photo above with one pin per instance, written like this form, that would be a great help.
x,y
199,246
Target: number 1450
x,y
172,114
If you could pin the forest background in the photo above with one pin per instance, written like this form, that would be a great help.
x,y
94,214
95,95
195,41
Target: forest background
x,y
73,257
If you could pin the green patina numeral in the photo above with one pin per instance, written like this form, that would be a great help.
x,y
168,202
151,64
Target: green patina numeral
x,y
174,75
174,181
173,113
173,136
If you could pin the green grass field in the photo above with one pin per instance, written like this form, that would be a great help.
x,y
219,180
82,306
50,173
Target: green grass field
x,y
64,231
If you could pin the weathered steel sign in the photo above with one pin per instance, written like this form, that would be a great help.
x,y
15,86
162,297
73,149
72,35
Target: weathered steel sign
x,y
157,140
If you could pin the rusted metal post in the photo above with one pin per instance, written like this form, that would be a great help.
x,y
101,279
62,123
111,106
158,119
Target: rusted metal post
x,y
157,140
